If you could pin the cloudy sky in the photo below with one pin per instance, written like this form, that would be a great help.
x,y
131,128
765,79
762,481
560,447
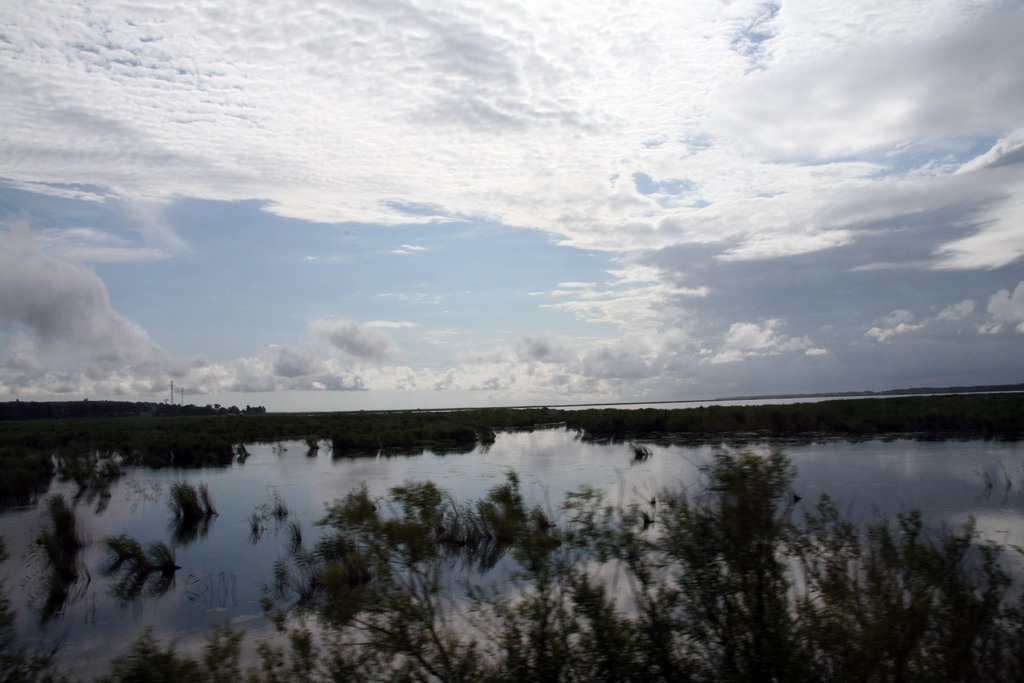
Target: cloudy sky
x,y
396,203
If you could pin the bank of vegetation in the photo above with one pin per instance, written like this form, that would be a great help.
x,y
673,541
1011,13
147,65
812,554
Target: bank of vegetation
x,y
722,582
976,415
89,451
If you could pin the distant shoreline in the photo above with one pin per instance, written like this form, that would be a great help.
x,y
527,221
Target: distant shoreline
x,y
18,409
889,393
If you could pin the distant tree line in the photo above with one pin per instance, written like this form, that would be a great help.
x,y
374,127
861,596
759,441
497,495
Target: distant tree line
x,y
40,410
978,415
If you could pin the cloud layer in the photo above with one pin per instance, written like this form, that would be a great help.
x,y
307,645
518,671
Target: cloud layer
x,y
787,197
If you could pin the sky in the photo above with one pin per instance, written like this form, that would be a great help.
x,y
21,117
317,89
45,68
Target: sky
x,y
367,204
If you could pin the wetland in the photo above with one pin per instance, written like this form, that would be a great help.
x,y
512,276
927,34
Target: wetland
x,y
200,523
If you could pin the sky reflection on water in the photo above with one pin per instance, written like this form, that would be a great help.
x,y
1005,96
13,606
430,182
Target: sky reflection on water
x,y
223,573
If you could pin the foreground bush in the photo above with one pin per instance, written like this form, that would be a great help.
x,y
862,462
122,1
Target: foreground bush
x,y
717,584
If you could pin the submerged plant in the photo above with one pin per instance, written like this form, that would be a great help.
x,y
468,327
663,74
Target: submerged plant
x,y
641,453
275,509
160,557
60,539
193,511
16,664
256,527
58,544
190,503
123,551
136,569
294,537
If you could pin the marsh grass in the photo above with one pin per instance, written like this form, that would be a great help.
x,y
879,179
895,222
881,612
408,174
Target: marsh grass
x,y
275,510
306,574
26,446
25,472
294,537
193,510
60,539
126,553
58,546
16,663
136,570
186,533
123,551
257,527
190,503
641,453
729,587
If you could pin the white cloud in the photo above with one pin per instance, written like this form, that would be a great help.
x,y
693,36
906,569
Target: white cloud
x,y
455,112
395,324
542,348
1007,308
957,311
293,362
662,132
62,333
877,93
752,336
357,341
896,323
997,242
91,245
407,249
60,336
749,340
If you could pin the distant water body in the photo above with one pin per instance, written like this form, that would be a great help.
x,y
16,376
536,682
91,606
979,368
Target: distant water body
x,y
748,401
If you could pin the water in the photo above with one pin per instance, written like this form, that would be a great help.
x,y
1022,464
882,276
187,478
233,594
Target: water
x,y
223,575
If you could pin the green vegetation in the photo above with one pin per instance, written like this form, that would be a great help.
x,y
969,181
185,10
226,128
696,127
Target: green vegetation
x,y
137,570
715,584
34,410
725,587
125,553
86,448
193,512
25,471
16,665
57,547
277,510
985,415
190,504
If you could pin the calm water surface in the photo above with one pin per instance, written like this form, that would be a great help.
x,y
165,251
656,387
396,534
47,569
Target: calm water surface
x,y
224,574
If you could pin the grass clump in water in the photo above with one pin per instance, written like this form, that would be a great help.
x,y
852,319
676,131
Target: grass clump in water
x,y
58,544
152,569
190,503
193,511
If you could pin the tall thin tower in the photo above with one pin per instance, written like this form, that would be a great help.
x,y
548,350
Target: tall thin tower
x,y
172,392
